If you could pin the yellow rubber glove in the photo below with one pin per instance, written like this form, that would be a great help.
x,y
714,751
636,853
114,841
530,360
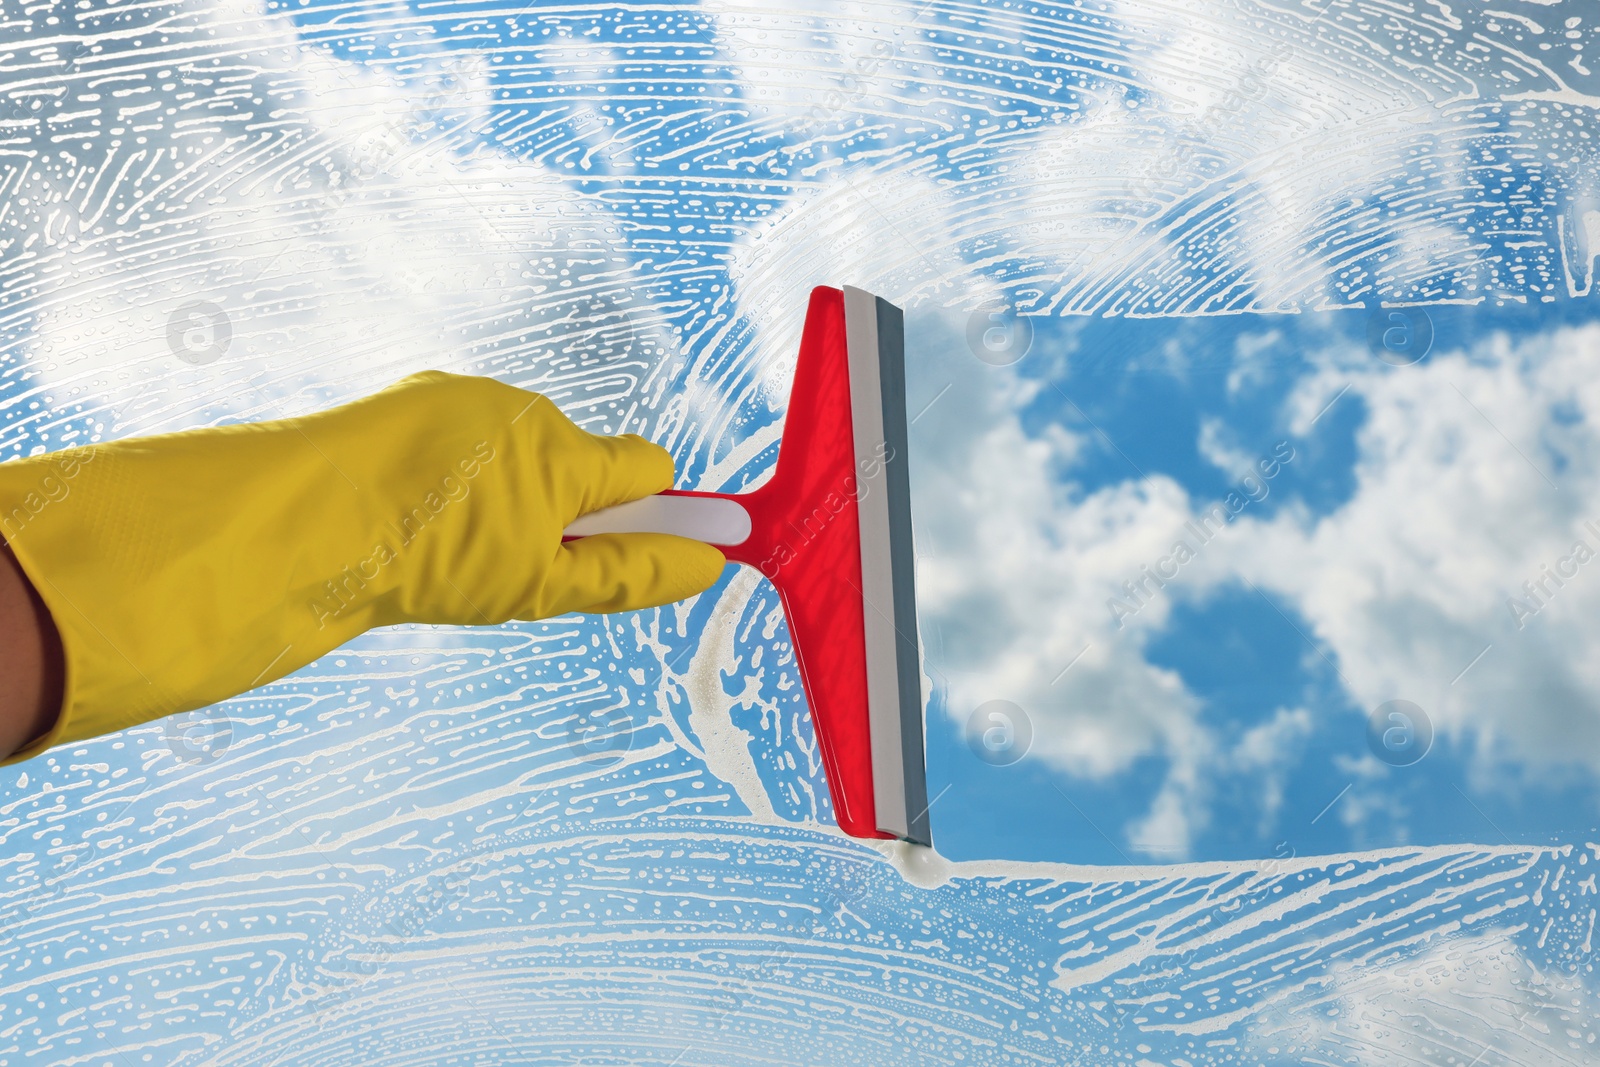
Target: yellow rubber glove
x,y
187,568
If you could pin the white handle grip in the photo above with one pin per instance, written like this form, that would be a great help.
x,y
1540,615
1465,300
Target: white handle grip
x,y
714,520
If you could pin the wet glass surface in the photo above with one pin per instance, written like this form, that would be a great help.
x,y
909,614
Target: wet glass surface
x,y
608,839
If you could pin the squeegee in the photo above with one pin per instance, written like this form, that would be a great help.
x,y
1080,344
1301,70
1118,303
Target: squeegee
x,y
832,531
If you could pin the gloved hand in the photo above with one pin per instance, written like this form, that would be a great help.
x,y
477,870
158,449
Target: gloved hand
x,y
187,568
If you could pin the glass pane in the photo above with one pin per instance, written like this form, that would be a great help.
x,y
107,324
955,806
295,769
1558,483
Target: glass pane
x,y
1144,249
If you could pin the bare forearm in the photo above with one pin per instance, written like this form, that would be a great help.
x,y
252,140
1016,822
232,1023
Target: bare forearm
x,y
30,660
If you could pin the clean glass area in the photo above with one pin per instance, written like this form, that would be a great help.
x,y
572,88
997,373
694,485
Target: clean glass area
x,y
1241,586
1319,788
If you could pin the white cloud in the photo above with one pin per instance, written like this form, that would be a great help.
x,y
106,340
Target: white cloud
x,y
1471,1000
1217,447
1476,471
1252,359
1265,754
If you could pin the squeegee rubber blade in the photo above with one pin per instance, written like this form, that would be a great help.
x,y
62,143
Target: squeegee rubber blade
x,y
902,560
